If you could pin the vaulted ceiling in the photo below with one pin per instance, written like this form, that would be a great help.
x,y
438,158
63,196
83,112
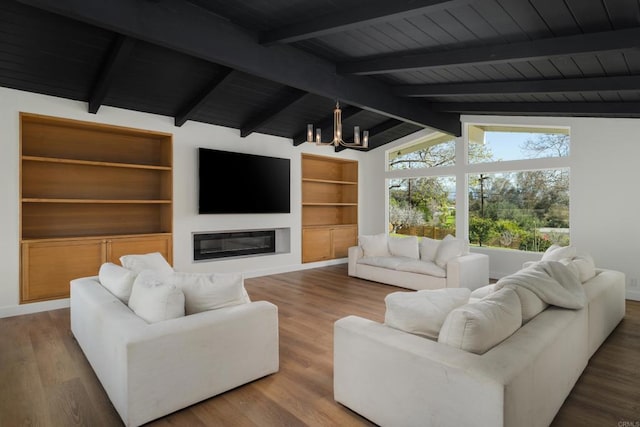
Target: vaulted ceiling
x,y
274,66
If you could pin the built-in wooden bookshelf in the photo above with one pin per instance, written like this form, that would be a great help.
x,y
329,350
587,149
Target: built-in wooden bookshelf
x,y
329,207
89,193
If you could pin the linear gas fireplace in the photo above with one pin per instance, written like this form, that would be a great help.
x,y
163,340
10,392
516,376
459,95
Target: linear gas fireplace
x,y
233,244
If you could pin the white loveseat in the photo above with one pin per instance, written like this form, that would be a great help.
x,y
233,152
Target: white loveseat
x,y
395,378
149,370
413,264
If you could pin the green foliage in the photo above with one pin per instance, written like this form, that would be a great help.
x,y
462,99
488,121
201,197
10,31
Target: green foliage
x,y
480,229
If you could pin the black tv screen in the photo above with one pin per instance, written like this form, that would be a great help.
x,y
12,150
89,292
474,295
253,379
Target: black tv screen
x,y
237,183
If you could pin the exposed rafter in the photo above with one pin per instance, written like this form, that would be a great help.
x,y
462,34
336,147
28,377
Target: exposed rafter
x,y
385,126
204,95
586,109
187,28
586,84
326,124
286,100
369,13
512,52
118,56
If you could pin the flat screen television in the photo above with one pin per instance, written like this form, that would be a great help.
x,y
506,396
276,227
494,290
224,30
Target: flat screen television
x,y
237,183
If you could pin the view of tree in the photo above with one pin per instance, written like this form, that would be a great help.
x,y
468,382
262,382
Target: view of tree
x,y
526,210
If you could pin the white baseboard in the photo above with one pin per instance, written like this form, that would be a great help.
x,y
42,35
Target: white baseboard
x,y
34,307
633,294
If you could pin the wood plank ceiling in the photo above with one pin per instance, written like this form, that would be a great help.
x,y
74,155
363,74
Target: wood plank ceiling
x,y
272,67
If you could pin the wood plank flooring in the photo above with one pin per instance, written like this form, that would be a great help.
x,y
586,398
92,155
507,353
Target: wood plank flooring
x,y
45,379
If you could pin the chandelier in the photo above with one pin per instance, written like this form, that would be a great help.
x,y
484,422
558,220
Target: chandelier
x,y
337,133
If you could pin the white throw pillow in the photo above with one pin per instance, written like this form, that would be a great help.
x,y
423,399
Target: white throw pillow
x,y
374,245
530,304
422,312
404,246
449,248
477,327
117,280
428,249
209,291
153,261
154,300
483,291
586,266
557,252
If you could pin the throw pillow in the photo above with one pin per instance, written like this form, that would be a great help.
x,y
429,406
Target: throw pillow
x,y
154,300
153,261
374,245
477,327
404,246
428,249
117,280
449,248
557,252
209,291
530,304
586,266
422,312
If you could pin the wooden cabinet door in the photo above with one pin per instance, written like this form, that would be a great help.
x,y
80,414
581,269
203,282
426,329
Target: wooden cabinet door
x,y
343,238
316,244
47,267
118,247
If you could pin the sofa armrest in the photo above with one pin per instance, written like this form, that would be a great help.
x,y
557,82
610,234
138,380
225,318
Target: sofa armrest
x,y
395,378
468,271
355,253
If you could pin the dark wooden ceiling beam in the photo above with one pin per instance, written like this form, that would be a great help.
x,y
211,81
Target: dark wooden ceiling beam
x,y
586,109
511,52
369,13
285,101
189,29
586,84
196,104
326,124
113,64
374,142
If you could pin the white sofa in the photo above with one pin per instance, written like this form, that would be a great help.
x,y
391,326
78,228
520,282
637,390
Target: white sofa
x,y
151,370
399,379
413,269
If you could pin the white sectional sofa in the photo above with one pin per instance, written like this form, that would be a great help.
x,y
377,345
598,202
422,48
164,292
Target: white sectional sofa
x,y
395,378
149,370
413,264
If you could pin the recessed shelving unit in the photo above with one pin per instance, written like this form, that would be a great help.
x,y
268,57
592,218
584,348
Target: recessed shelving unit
x,y
329,207
90,191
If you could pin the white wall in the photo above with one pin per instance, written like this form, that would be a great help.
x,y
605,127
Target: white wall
x,y
605,154
186,219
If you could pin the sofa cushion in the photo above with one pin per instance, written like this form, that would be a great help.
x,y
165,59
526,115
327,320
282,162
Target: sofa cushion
x,y
404,246
530,304
422,312
152,261
374,245
154,300
210,291
477,327
117,280
390,262
422,267
449,248
428,249
557,252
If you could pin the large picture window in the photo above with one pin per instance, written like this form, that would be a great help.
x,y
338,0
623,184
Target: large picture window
x,y
516,194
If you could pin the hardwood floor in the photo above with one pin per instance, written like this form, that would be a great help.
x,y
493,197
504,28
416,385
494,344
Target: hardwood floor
x,y
45,379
